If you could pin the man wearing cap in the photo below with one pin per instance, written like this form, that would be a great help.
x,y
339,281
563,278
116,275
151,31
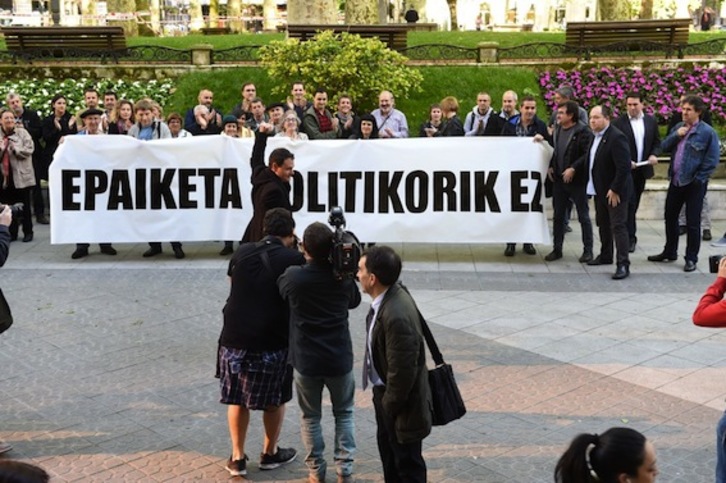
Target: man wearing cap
x,y
91,119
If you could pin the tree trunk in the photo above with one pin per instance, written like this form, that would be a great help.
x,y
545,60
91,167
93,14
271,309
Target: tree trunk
x,y
361,11
88,7
155,11
646,9
213,13
614,9
131,28
453,15
269,15
196,19
234,11
312,11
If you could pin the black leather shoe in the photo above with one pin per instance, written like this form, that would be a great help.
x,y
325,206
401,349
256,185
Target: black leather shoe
x,y
631,248
79,253
28,237
153,251
108,250
553,255
568,229
529,249
585,257
707,235
42,220
662,257
623,271
599,261
179,253
509,251
682,230
689,266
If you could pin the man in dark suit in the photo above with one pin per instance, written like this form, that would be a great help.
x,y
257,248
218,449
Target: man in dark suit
x,y
395,363
270,186
610,183
644,143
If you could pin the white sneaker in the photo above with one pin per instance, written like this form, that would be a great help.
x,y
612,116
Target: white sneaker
x,y
721,242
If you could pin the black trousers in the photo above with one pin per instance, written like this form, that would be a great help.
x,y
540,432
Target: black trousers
x,y
612,223
402,463
636,195
692,196
12,195
158,245
561,195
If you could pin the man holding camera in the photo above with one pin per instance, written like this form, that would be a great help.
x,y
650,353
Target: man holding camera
x,y
321,351
395,363
711,312
253,346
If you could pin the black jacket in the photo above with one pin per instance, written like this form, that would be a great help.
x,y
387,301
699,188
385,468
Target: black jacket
x,y
452,127
255,316
611,167
575,156
536,127
651,141
268,190
52,136
399,357
320,343
4,244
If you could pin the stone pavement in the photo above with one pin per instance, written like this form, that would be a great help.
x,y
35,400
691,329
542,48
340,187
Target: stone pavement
x,y
108,373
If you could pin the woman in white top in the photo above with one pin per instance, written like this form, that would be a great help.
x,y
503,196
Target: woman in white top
x,y
290,127
175,123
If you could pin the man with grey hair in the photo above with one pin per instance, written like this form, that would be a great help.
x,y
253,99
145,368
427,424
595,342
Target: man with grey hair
x,y
391,122
564,94
509,105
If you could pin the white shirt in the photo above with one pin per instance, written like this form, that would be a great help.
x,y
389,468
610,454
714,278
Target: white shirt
x,y
593,150
373,374
638,126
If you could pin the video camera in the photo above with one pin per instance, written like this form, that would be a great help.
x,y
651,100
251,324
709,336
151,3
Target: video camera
x,y
713,262
346,250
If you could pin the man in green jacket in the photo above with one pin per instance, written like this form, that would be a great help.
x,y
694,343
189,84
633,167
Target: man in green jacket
x,y
395,363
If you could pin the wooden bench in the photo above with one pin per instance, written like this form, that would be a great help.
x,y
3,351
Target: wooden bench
x,y
42,42
393,35
215,30
672,33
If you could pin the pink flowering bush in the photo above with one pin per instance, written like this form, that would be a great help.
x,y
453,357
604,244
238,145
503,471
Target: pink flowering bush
x,y
662,88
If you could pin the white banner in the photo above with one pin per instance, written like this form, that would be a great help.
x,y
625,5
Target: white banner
x,y
442,190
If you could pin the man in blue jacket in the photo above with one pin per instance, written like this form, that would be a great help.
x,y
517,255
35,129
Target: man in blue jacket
x,y
694,149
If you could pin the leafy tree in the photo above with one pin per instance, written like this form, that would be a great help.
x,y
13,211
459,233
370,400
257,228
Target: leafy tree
x,y
361,11
615,9
341,63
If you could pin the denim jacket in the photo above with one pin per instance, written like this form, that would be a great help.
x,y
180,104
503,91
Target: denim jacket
x,y
700,155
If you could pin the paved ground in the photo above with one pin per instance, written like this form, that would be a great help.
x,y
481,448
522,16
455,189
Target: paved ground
x,y
108,373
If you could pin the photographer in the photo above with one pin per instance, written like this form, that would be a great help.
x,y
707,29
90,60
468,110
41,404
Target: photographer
x,y
321,351
711,312
6,218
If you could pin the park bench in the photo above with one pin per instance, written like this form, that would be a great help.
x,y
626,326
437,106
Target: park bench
x,y
668,34
43,42
394,36
423,27
216,30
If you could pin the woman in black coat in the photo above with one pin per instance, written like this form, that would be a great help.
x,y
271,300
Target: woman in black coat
x,y
58,124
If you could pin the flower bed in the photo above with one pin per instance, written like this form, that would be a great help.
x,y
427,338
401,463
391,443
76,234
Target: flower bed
x,y
661,88
36,94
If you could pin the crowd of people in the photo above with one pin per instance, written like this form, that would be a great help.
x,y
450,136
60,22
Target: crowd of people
x,y
575,174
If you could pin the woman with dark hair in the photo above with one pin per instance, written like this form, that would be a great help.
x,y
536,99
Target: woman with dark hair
x,y
54,126
176,126
365,127
619,455
435,122
122,118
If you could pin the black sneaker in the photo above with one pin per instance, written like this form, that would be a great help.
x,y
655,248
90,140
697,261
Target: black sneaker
x,y
282,457
237,467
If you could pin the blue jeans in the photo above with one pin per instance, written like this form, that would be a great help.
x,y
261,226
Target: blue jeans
x,y
721,450
309,398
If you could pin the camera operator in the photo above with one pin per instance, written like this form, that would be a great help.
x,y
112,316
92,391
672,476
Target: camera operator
x,y
711,312
321,351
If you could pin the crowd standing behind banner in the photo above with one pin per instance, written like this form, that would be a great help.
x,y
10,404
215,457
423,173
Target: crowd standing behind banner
x,y
316,121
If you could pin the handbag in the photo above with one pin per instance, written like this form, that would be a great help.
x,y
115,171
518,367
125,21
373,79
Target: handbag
x,y
6,317
447,401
